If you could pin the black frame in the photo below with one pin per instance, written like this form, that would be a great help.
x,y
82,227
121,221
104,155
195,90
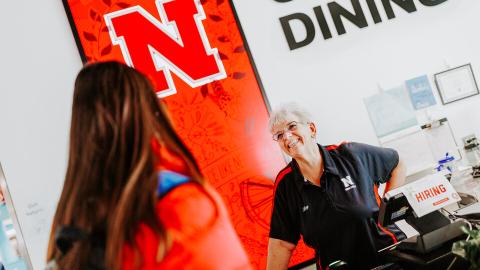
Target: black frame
x,y
74,31
439,87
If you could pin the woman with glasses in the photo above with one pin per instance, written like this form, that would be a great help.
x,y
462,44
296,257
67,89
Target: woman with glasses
x,y
134,197
326,195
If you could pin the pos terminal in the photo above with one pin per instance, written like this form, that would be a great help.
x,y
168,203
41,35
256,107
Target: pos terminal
x,y
434,229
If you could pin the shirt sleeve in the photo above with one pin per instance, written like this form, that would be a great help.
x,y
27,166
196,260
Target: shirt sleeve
x,y
378,161
284,224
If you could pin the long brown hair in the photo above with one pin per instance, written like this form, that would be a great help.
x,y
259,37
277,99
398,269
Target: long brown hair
x,y
111,180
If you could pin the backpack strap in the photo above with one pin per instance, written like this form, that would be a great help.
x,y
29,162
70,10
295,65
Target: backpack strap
x,y
168,180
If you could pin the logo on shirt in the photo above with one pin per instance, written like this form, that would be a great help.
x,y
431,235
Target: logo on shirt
x,y
348,183
305,208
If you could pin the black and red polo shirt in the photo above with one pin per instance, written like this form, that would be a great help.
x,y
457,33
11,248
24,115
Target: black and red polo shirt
x,y
339,218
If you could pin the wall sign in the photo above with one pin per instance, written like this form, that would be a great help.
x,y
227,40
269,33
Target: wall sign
x,y
339,13
194,53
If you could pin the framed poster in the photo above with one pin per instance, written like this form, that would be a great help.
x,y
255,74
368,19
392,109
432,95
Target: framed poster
x,y
194,53
390,111
456,83
420,92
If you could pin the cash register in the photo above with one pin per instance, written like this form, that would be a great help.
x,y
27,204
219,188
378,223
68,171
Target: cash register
x,y
429,231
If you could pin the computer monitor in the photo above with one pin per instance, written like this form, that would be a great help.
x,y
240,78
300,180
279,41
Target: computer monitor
x,y
13,251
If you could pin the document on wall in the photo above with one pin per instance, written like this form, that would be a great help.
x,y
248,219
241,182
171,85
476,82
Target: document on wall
x,y
390,111
420,92
430,193
442,141
414,150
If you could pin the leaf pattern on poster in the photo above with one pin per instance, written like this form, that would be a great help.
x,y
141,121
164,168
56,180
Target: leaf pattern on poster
x,y
238,75
239,49
122,5
215,18
204,90
223,56
106,50
89,36
223,39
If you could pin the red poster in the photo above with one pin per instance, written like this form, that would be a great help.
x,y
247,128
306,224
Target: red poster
x,y
195,54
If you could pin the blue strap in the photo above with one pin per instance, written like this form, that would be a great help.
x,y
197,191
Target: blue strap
x,y
167,180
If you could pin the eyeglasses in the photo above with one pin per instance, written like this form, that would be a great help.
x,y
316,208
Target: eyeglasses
x,y
292,126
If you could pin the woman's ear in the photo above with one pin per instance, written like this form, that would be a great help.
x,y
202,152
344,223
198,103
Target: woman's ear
x,y
313,129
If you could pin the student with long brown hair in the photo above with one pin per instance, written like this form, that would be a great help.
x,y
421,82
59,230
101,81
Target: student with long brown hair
x,y
133,196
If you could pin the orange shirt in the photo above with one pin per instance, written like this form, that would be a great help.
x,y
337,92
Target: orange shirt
x,y
198,223
203,236
198,243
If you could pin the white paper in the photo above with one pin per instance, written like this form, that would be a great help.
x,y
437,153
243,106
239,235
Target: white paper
x,y
406,228
441,141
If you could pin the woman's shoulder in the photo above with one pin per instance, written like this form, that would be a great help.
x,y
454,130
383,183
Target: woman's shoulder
x,y
196,219
199,223
347,148
284,173
187,206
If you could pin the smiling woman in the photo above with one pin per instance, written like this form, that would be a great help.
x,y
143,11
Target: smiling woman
x,y
295,133
326,194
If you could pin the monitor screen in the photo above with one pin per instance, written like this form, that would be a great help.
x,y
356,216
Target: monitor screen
x,y
13,252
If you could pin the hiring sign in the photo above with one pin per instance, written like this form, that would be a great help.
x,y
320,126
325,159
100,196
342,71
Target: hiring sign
x,y
430,193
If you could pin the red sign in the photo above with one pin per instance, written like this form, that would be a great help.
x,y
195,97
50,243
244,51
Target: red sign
x,y
194,53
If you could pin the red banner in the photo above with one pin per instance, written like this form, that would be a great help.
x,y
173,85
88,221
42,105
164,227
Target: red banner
x,y
194,53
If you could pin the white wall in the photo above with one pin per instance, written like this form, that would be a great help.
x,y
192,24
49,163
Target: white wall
x,y
38,64
331,77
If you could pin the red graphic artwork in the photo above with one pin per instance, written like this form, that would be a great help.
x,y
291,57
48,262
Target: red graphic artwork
x,y
194,53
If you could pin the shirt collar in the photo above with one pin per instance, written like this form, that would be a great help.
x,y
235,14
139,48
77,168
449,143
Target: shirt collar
x,y
328,164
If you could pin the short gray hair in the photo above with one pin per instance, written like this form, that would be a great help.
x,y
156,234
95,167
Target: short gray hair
x,y
282,112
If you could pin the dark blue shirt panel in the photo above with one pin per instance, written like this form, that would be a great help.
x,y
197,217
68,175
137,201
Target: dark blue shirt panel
x,y
379,161
285,221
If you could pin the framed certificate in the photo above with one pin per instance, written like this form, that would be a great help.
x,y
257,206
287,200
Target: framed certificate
x,y
456,83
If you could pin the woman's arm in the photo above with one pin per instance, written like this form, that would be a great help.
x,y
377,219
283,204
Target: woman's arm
x,y
398,176
279,253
